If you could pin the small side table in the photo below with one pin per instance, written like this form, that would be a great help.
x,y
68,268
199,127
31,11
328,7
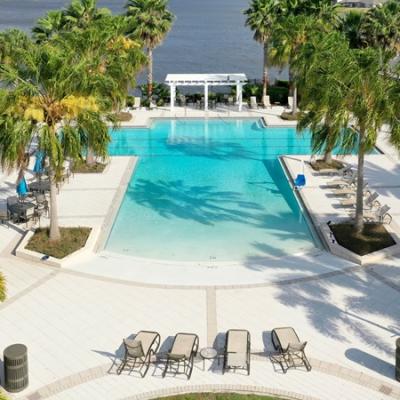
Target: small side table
x,y
208,353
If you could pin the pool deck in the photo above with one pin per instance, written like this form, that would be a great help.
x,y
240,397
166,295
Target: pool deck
x,y
73,319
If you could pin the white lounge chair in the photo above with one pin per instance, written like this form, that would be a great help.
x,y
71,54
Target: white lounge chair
x,y
237,350
266,102
349,190
370,201
253,103
343,181
380,215
137,103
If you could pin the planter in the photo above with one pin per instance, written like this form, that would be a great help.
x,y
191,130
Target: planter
x,y
340,251
78,255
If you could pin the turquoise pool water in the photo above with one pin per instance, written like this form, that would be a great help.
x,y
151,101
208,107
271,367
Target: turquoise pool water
x,y
209,190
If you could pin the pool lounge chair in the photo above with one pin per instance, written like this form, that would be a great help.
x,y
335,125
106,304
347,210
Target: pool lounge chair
x,y
237,350
138,352
370,202
349,190
345,180
183,350
290,348
137,103
380,215
253,103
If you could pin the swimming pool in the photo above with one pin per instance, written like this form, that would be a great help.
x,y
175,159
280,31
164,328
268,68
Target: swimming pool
x,y
209,190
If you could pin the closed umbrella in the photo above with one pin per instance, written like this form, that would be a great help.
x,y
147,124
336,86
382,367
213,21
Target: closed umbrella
x,y
22,187
38,167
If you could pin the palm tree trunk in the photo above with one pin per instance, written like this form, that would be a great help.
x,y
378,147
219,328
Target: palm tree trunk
x,y
294,111
265,72
54,228
359,222
150,74
90,156
328,157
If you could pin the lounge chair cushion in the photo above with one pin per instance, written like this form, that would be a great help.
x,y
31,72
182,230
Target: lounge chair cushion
x,y
183,345
287,336
134,348
236,348
147,339
294,347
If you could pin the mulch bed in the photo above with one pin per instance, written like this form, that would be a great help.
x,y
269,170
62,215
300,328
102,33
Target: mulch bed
x,y
72,239
317,165
83,168
374,237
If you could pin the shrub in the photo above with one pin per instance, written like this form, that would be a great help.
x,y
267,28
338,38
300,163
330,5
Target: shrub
x,y
278,94
3,292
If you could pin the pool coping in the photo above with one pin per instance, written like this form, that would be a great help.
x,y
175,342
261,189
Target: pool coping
x,y
112,213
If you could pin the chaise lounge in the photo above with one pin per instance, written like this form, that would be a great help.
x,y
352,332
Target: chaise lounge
x,y
237,350
183,350
291,350
138,352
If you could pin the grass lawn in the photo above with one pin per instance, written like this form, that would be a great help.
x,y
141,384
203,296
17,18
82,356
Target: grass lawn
x,y
220,396
83,168
72,239
373,238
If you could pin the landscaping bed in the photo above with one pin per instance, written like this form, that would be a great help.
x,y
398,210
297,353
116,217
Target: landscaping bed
x,y
319,165
83,168
374,237
220,396
72,239
288,116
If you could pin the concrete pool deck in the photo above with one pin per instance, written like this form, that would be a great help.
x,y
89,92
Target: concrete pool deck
x,y
73,319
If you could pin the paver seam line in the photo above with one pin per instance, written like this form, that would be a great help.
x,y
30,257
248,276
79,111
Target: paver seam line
x,y
371,271
211,300
216,388
341,372
29,289
115,204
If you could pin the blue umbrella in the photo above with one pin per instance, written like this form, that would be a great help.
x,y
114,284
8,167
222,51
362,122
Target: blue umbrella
x,y
22,187
38,167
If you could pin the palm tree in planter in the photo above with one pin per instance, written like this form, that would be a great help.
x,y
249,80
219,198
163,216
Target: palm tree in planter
x,y
260,18
114,57
360,89
44,97
150,21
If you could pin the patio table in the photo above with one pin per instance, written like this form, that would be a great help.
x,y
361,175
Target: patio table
x,y
40,186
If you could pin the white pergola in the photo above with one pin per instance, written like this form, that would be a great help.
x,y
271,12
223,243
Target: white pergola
x,y
206,80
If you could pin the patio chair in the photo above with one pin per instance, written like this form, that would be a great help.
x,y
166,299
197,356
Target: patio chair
x,y
138,352
370,201
253,103
4,214
290,348
11,209
380,215
237,350
183,350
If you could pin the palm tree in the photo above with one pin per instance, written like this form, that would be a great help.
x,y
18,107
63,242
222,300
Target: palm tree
x,y
354,86
381,27
79,15
297,20
150,22
261,16
46,97
350,25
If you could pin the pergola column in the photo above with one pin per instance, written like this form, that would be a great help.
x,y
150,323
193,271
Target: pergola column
x,y
172,88
239,95
206,97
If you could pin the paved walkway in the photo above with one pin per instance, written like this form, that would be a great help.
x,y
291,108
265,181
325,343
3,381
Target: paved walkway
x,y
73,320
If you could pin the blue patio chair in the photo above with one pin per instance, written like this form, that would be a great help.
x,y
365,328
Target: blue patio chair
x,y
300,181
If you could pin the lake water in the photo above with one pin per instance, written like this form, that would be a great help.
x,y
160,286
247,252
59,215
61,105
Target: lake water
x,y
208,35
